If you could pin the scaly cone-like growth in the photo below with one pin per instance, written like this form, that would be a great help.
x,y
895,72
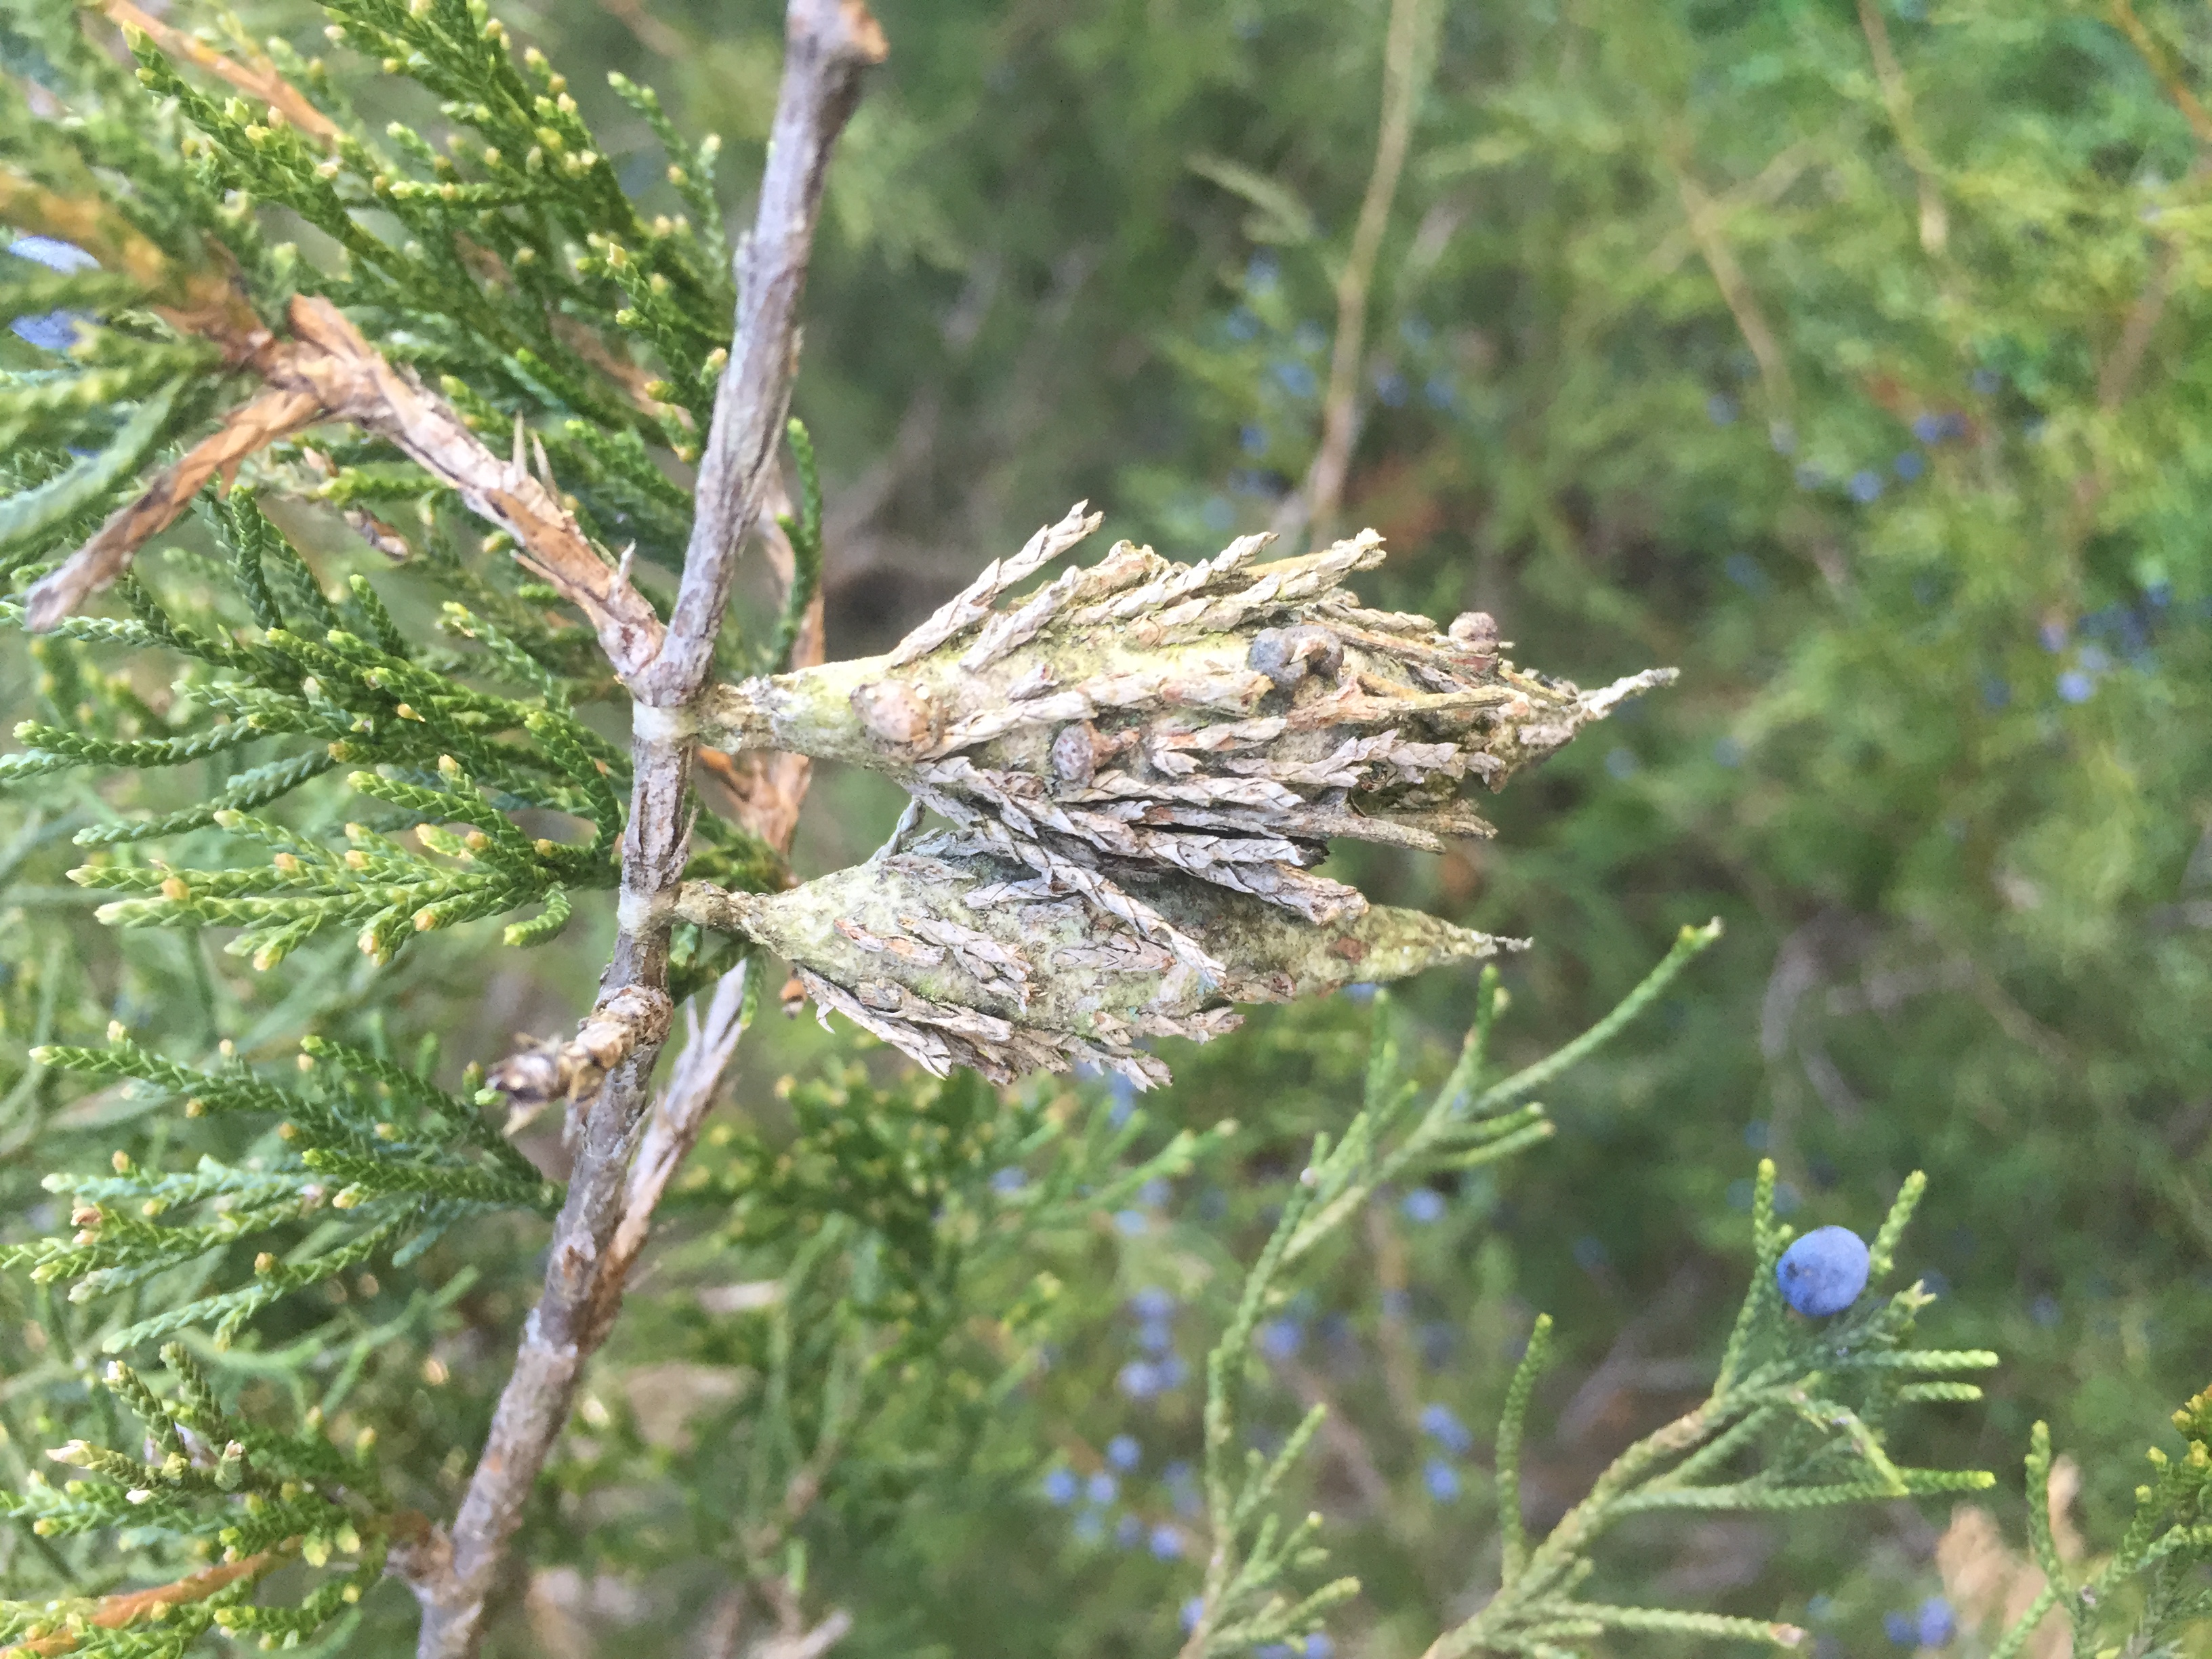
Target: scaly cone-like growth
x,y
1223,719
957,955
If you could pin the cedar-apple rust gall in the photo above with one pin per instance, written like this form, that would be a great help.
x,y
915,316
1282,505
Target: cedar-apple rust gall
x,y
1141,763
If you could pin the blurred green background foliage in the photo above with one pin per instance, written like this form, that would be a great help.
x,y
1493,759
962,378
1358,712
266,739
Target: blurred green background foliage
x,y
1852,357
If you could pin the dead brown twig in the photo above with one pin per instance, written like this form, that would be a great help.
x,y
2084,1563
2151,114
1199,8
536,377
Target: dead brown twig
x,y
1897,96
326,371
1703,219
246,430
2154,59
1408,55
256,76
126,1607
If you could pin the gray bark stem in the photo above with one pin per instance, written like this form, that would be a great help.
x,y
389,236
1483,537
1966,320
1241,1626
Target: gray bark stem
x,y
829,44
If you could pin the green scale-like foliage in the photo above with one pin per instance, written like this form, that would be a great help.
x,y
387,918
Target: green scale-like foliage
x,y
407,727
428,748
1798,1418
881,1264
515,274
909,1164
210,1485
374,1164
907,1239
2151,1590
513,271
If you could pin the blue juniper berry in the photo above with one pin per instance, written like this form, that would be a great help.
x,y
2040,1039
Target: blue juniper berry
x,y
1936,1623
1932,1625
1152,1302
1441,1425
1441,1479
1139,1379
51,331
1824,1271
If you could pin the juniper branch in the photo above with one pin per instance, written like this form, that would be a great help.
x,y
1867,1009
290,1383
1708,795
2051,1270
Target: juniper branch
x,y
325,371
125,1608
1511,1527
829,42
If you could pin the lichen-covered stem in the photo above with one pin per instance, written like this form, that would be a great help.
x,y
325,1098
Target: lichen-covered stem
x,y
829,43
808,713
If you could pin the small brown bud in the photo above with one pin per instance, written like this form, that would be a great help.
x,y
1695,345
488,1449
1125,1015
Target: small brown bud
x,y
1077,751
1287,655
1477,630
894,712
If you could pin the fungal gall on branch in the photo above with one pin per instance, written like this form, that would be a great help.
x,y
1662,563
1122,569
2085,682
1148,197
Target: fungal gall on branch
x,y
1137,733
957,954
